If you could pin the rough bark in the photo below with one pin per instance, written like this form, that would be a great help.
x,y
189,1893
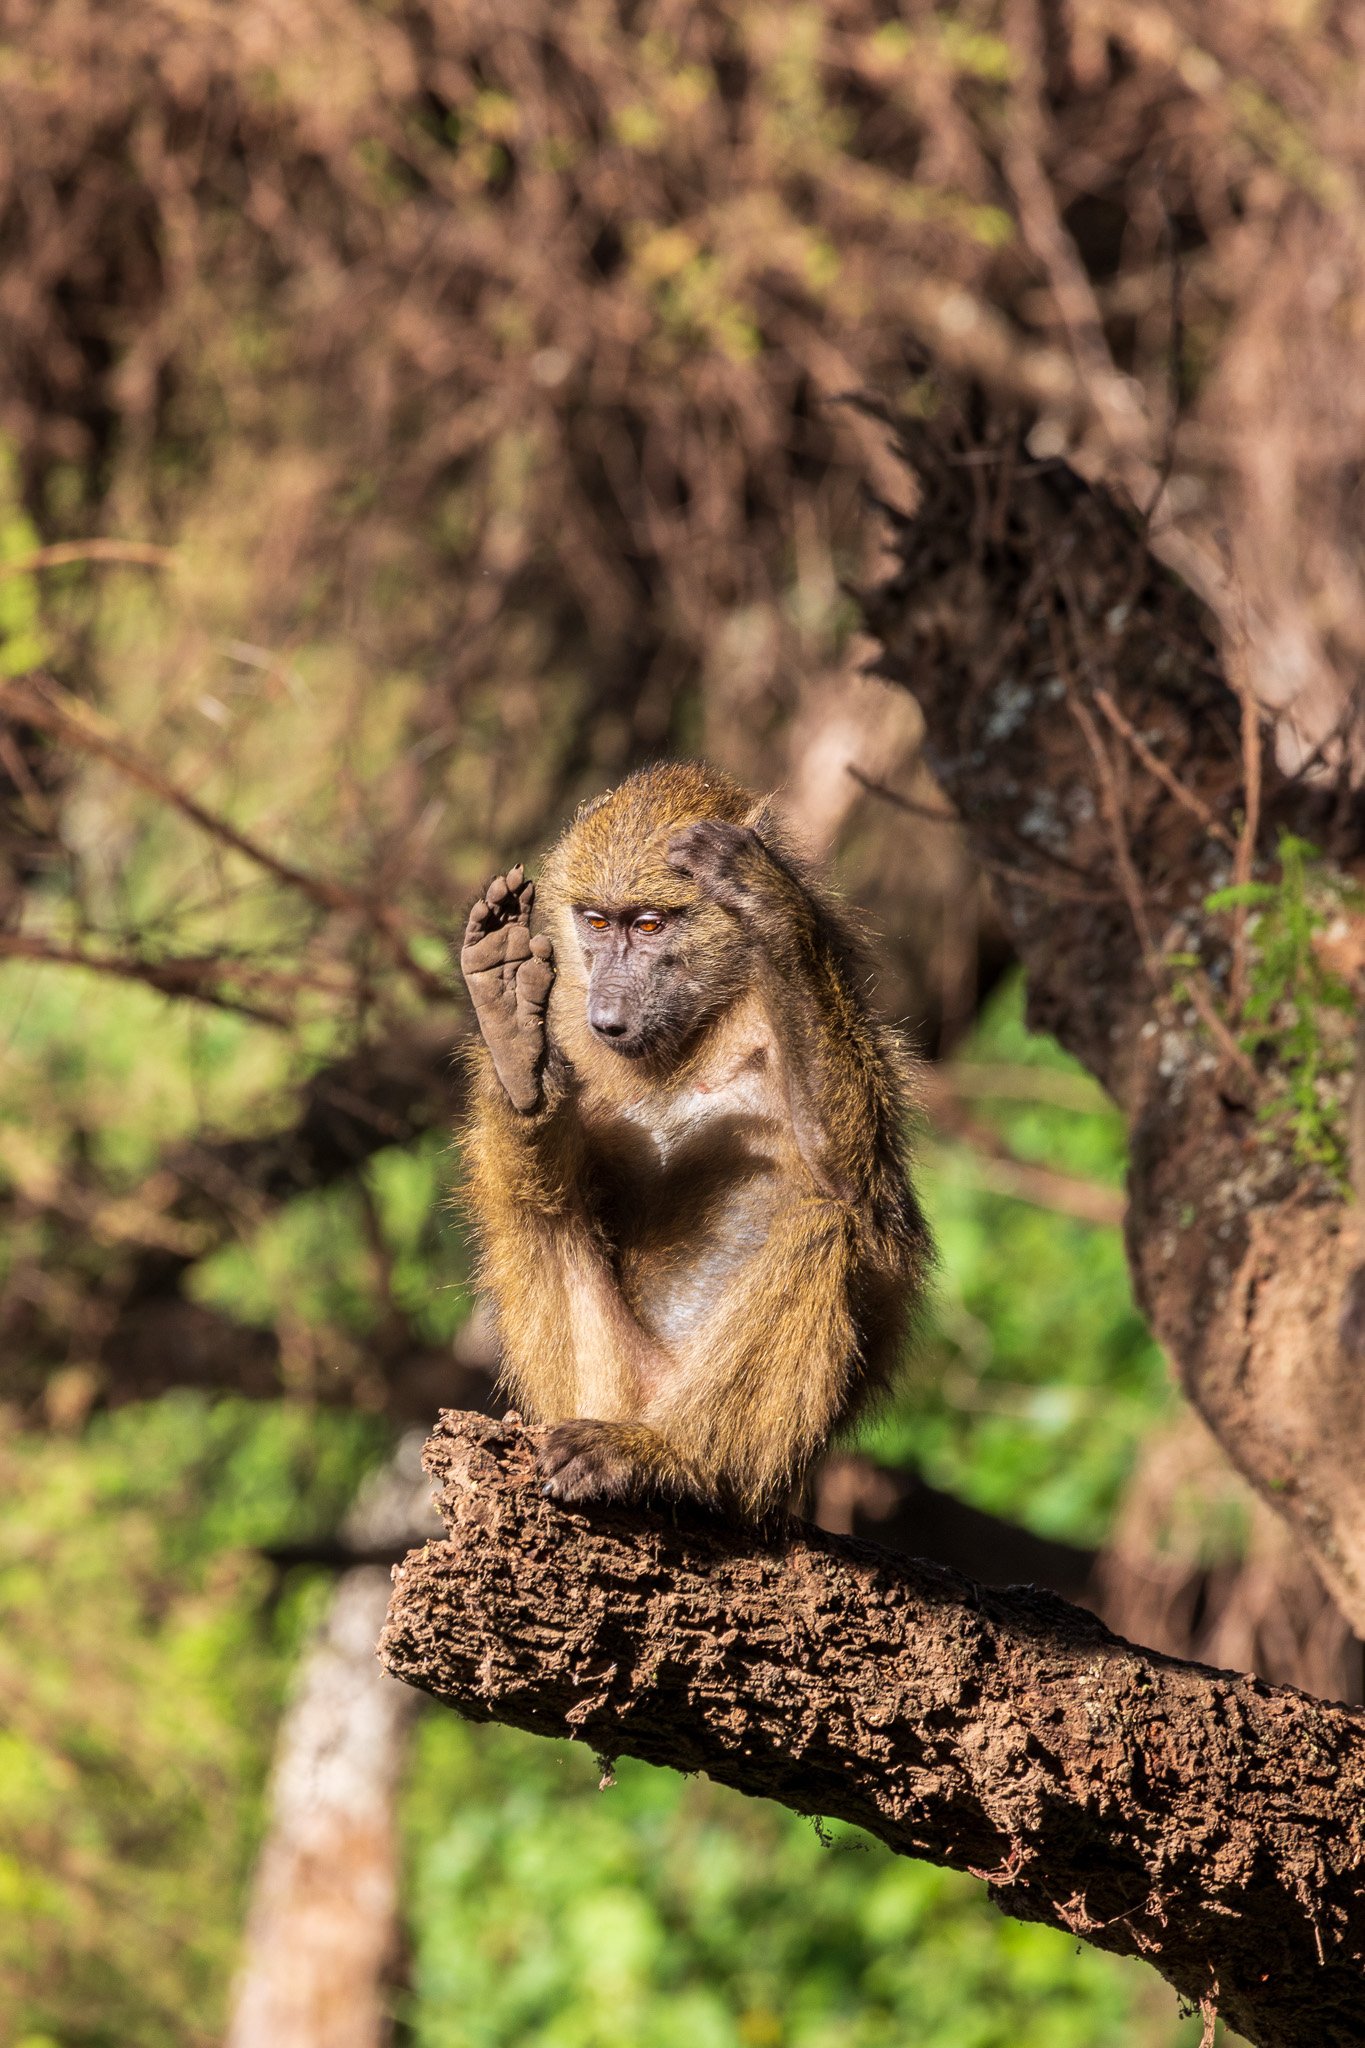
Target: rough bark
x,y
1208,1822
1024,595
1265,1612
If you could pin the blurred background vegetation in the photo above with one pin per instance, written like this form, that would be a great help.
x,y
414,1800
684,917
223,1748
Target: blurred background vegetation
x,y
538,1908
412,417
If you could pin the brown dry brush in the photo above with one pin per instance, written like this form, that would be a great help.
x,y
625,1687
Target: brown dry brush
x,y
550,310
548,313
421,287
599,271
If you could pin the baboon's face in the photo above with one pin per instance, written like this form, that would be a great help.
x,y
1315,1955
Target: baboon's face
x,y
656,975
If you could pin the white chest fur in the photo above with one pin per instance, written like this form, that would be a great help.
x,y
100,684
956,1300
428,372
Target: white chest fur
x,y
744,1091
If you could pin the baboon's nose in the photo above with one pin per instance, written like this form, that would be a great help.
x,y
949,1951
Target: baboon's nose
x,y
607,1017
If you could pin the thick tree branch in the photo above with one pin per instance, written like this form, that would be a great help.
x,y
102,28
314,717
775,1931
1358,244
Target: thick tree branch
x,y
1210,1823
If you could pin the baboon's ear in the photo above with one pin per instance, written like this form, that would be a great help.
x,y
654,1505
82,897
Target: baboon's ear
x,y
760,818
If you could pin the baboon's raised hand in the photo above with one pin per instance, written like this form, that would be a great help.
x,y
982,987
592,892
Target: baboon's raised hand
x,y
509,975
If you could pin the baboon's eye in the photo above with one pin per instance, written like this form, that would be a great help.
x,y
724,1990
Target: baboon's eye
x,y
650,923
594,920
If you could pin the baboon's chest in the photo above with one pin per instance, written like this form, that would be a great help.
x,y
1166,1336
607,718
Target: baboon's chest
x,y
686,1189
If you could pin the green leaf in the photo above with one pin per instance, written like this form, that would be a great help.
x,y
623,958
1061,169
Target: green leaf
x,y
1242,895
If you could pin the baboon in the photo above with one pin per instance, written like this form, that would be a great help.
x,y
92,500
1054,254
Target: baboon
x,y
684,1159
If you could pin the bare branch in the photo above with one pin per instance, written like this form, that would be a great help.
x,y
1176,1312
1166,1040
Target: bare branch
x,y
1154,765
1251,824
1112,804
144,554
195,979
1052,885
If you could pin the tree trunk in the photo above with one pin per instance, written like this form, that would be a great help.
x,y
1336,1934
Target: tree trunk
x,y
322,1930
1208,1822
1110,779
320,1934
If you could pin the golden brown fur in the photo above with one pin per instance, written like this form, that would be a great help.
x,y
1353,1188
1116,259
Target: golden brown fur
x,y
702,1256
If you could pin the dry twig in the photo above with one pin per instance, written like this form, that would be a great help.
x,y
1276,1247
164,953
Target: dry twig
x,y
138,553
199,980
1112,806
1155,766
1244,863
1059,885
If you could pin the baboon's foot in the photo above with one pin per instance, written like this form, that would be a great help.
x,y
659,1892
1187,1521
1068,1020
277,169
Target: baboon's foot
x,y
509,975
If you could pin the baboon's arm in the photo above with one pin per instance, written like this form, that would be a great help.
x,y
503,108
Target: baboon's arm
x,y
566,1330
842,1107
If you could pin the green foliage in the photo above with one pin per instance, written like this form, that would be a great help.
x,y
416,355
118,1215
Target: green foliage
x,y
142,1666
342,1256
153,1071
23,644
1288,1014
1037,1379
674,1912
